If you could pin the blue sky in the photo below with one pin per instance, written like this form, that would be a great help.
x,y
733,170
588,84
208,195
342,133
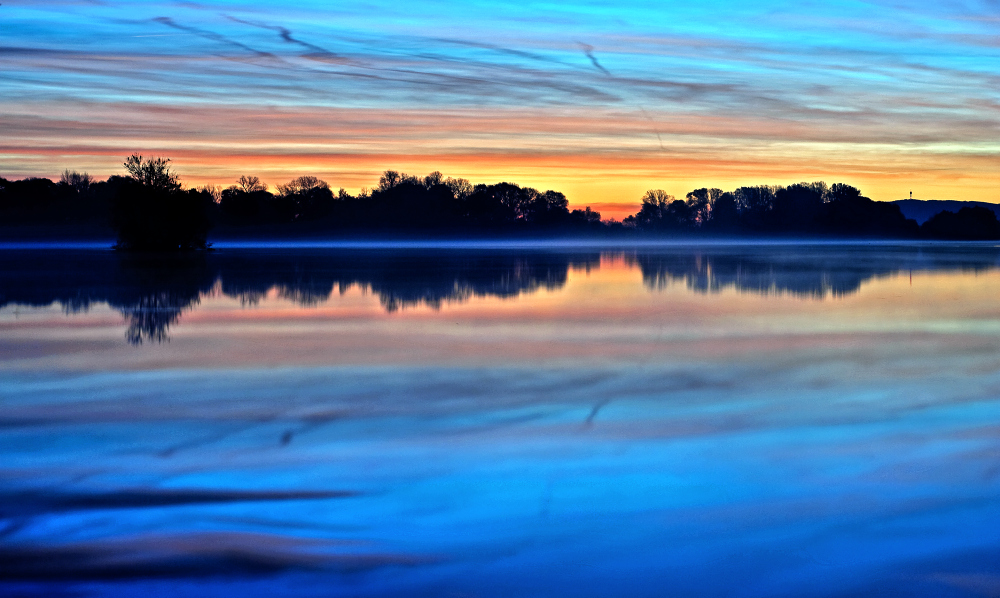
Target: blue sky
x,y
599,99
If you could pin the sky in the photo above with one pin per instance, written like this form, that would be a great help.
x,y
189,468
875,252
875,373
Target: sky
x,y
600,100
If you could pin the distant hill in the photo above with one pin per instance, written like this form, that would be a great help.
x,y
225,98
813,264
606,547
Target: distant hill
x,y
922,209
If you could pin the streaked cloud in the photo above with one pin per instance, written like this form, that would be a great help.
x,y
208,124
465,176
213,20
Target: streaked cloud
x,y
883,96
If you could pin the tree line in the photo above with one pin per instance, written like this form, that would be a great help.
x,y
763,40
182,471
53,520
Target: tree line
x,y
148,209
802,209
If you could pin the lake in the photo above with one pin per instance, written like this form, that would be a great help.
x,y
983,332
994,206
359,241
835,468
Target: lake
x,y
714,420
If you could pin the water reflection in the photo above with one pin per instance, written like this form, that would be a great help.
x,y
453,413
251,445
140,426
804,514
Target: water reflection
x,y
816,272
626,434
400,279
153,291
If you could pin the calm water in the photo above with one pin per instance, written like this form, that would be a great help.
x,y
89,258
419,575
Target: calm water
x,y
720,421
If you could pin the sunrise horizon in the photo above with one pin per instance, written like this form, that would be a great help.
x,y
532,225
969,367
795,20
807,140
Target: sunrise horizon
x,y
885,98
610,209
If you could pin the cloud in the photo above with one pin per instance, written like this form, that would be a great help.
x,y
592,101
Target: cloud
x,y
211,36
693,88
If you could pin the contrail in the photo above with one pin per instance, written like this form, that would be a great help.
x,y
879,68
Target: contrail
x,y
589,51
285,34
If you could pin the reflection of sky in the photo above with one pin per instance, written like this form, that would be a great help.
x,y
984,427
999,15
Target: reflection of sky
x,y
607,437
602,100
606,312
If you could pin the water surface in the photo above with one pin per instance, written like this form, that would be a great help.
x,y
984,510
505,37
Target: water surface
x,y
775,420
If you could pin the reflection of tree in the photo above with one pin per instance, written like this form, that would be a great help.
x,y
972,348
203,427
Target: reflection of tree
x,y
801,271
149,319
402,283
400,279
713,273
153,292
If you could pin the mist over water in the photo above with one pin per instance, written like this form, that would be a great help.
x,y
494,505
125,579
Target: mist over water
x,y
776,420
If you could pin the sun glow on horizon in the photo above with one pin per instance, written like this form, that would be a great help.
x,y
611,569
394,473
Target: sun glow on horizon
x,y
601,102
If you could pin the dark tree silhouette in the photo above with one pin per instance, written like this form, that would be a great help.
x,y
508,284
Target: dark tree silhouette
x,y
253,204
725,217
547,210
309,197
388,180
586,219
968,224
250,184
495,206
700,203
653,211
755,204
660,212
434,178
76,200
79,181
150,212
412,206
461,188
797,208
847,212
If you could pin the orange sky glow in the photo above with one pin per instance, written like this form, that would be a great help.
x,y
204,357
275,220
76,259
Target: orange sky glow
x,y
706,98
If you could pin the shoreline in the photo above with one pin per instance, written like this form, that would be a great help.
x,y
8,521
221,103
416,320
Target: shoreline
x,y
537,243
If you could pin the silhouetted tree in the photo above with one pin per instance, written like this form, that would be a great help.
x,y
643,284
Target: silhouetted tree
x,y
847,212
310,196
755,204
249,202
461,188
149,210
661,212
497,206
391,178
844,193
968,224
388,180
797,207
151,213
651,213
250,184
34,200
152,173
79,181
547,210
700,202
586,219
725,217
434,178
410,206
215,191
